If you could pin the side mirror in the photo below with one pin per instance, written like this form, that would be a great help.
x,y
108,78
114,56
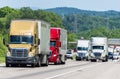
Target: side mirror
x,y
75,50
4,42
38,41
59,44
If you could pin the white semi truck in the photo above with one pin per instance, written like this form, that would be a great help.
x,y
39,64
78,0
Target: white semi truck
x,y
98,49
82,50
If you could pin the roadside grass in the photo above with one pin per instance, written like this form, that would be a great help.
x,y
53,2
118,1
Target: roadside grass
x,y
2,59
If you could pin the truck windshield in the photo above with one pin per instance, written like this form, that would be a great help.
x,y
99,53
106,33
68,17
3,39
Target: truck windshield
x,y
82,48
21,39
98,47
52,43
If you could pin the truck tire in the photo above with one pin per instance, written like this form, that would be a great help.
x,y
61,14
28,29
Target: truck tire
x,y
62,62
14,65
46,63
106,58
7,65
93,60
38,62
33,65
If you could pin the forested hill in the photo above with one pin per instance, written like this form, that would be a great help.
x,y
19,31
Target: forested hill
x,y
89,23
69,11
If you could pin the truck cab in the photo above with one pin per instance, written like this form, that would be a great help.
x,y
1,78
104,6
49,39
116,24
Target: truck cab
x,y
58,45
82,50
99,49
25,43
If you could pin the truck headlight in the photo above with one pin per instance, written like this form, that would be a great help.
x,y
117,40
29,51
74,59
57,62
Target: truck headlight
x,y
103,54
55,55
31,55
8,54
92,55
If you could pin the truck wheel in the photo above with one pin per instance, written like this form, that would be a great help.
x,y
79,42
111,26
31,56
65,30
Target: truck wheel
x,y
33,65
38,62
103,60
55,63
46,63
93,60
106,60
14,65
7,65
62,62
23,65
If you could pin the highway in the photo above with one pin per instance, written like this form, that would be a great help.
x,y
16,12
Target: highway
x,y
71,70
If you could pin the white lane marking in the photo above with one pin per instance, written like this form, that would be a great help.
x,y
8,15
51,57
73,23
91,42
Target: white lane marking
x,y
72,71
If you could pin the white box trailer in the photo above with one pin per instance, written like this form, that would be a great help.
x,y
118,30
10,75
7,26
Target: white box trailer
x,y
82,49
44,36
63,39
98,49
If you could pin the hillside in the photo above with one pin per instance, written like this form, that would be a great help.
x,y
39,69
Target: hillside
x,y
76,20
69,11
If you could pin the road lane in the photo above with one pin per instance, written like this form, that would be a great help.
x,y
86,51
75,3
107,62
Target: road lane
x,y
72,70
21,72
107,70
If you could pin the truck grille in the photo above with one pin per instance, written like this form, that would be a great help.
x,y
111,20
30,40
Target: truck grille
x,y
97,55
19,52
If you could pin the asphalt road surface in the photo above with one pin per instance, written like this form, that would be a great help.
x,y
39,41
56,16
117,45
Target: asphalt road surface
x,y
71,70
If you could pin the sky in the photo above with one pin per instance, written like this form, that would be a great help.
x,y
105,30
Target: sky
x,y
94,5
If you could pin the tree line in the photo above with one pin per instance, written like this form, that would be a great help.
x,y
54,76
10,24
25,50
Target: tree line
x,y
7,14
77,25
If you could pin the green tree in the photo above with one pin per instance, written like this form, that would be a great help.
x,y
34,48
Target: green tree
x,y
5,11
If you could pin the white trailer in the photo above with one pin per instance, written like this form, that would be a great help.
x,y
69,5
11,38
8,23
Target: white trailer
x,y
82,49
98,49
44,46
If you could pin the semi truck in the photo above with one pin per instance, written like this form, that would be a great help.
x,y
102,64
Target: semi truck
x,y
98,49
82,50
58,45
28,43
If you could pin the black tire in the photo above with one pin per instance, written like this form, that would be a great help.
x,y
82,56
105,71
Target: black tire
x,y
23,65
103,60
14,65
33,65
93,60
62,62
38,62
55,63
7,65
46,64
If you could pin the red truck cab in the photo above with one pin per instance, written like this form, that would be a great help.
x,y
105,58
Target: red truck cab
x,y
56,46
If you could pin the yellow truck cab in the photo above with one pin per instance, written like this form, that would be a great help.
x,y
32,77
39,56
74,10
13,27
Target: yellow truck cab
x,y
28,43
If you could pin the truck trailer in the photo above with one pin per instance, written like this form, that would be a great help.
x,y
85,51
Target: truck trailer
x,y
28,43
98,49
82,50
58,45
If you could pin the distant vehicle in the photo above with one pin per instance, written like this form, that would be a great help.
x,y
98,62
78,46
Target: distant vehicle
x,y
58,45
110,55
82,50
98,49
115,55
69,54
